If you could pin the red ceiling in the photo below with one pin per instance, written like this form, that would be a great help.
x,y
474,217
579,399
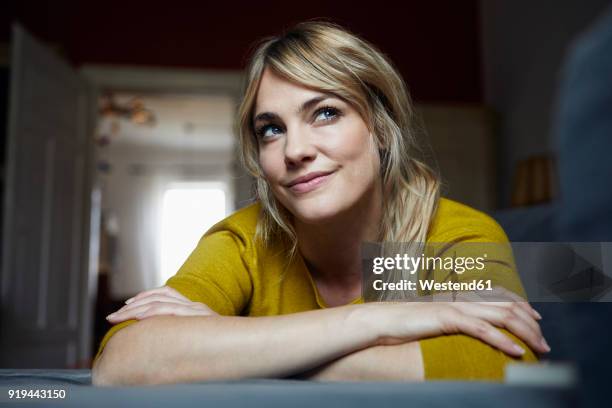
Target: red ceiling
x,y
435,44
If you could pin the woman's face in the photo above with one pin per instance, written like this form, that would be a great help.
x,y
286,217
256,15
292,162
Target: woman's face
x,y
315,150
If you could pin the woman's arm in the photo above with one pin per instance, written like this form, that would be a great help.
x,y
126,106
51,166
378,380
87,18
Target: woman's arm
x,y
166,349
438,358
400,362
178,349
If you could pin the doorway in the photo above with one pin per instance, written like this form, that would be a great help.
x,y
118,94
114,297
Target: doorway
x,y
166,169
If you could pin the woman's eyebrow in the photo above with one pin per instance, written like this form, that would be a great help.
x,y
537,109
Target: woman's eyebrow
x,y
268,116
312,102
265,116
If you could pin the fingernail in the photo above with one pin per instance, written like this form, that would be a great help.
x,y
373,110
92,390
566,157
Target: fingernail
x,y
545,345
539,316
110,316
518,349
130,300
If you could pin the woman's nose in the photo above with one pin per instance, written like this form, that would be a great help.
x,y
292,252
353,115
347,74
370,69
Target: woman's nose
x,y
298,148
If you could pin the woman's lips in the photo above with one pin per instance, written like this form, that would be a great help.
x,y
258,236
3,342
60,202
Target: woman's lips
x,y
310,184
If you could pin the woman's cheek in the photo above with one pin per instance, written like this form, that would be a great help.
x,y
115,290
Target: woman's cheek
x,y
266,163
273,174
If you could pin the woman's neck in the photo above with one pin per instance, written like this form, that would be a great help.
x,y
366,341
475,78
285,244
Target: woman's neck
x,y
332,249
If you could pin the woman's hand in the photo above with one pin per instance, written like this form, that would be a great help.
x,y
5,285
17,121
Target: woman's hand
x,y
410,321
156,302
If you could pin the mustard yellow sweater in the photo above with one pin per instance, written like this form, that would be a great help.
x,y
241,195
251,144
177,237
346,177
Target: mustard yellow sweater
x,y
232,275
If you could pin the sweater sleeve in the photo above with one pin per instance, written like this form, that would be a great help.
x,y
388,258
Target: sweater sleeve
x,y
464,232
461,357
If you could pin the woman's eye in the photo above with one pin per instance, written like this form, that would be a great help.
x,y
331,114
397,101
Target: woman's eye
x,y
268,131
326,113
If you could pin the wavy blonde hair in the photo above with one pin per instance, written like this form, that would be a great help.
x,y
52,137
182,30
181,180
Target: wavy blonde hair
x,y
328,58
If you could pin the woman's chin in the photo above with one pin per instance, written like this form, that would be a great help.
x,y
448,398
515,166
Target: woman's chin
x,y
315,214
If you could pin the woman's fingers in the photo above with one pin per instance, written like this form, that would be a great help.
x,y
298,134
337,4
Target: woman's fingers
x,y
516,309
484,331
157,308
522,308
511,317
504,294
150,299
498,295
163,290
477,319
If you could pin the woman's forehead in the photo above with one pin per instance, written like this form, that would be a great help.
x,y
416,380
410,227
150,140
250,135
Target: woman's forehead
x,y
277,94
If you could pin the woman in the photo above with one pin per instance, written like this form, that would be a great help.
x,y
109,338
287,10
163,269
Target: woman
x,y
274,289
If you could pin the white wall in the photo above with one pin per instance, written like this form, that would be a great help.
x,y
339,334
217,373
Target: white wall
x,y
134,173
523,43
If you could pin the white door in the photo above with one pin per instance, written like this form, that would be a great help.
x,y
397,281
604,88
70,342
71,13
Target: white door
x,y
47,290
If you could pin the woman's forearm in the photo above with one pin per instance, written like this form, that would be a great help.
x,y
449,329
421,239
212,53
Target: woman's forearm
x,y
400,362
168,349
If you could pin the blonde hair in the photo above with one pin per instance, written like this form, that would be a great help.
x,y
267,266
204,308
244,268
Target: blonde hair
x,y
326,57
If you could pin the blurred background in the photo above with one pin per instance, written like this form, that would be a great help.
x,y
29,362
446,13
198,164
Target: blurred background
x,y
116,130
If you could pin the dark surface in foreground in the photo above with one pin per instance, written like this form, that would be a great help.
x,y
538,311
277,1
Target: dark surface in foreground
x,y
280,393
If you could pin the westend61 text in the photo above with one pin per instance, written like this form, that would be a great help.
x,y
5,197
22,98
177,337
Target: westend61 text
x,y
429,285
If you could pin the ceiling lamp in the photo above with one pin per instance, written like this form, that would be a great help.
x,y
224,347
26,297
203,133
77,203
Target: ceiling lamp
x,y
133,110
